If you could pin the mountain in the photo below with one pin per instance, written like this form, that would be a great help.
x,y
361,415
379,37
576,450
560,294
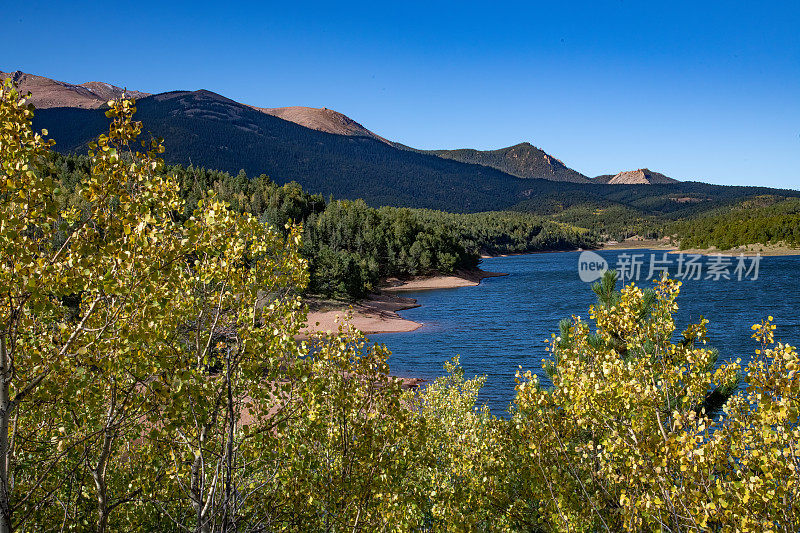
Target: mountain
x,y
642,176
47,93
321,119
206,129
522,160
341,158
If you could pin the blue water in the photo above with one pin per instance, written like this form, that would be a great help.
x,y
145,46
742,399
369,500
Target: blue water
x,y
502,323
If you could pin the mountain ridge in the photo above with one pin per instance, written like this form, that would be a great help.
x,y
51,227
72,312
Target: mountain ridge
x,y
48,93
204,129
522,160
210,130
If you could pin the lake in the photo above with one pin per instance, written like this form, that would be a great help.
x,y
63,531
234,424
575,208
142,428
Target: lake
x,y
502,323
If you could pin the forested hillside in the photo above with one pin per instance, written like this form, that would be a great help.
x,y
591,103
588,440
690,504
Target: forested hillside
x,y
350,247
764,220
621,211
522,160
205,129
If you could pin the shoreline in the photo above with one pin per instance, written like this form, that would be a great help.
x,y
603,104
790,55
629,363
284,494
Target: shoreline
x,y
748,250
630,244
378,313
638,244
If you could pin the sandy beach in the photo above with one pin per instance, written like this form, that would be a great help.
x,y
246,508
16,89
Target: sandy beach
x,y
468,278
378,313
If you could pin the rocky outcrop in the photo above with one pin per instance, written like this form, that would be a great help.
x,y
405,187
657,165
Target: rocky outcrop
x,y
642,176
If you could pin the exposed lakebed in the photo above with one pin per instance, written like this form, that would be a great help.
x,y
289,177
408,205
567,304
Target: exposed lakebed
x,y
502,323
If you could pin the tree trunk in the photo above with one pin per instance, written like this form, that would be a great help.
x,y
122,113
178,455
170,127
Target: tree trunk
x,y
230,508
99,472
5,420
102,502
196,493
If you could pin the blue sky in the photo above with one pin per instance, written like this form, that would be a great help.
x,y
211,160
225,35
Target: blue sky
x,y
696,90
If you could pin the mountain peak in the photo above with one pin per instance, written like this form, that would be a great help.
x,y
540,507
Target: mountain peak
x,y
321,119
640,176
522,160
46,92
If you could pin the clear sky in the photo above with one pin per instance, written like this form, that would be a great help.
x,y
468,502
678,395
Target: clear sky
x,y
696,90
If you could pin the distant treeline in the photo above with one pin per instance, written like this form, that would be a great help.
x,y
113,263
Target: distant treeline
x,y
613,221
350,246
759,220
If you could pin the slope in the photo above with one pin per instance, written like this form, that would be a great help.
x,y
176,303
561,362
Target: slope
x,y
206,129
